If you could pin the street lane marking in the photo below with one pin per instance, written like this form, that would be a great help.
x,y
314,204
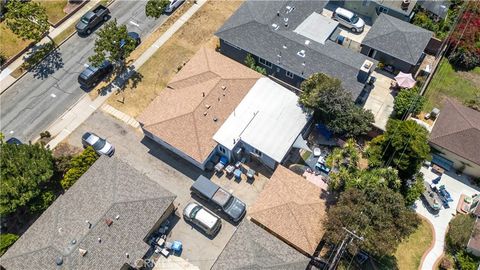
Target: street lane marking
x,y
134,23
53,95
11,131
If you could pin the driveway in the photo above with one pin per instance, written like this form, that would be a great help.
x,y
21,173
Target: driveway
x,y
456,186
175,175
380,100
30,105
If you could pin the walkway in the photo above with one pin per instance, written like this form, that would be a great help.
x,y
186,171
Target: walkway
x,y
79,112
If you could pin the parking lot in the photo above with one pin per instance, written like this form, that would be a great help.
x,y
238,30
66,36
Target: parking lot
x,y
175,175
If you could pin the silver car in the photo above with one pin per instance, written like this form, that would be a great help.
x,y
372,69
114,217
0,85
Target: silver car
x,y
100,145
174,4
206,220
349,20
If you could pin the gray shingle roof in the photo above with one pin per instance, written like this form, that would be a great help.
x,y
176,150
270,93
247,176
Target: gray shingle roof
x,y
397,38
251,247
437,7
109,188
250,28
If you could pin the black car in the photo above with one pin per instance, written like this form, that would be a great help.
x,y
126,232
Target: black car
x,y
14,140
92,75
135,36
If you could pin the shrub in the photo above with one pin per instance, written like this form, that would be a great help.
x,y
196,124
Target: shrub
x,y
446,264
6,240
42,202
464,59
466,261
408,100
78,166
459,231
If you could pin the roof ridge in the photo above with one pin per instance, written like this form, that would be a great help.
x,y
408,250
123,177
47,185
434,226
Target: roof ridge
x,y
192,77
27,253
455,105
195,128
169,119
408,44
303,230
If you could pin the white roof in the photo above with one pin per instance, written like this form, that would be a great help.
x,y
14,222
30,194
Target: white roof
x,y
268,118
316,27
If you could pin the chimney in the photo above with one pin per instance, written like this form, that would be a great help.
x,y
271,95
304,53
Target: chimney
x,y
88,223
365,71
405,4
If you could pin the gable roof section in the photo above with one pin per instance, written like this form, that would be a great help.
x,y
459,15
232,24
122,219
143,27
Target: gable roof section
x,y
250,28
183,113
291,208
457,129
251,247
109,188
397,38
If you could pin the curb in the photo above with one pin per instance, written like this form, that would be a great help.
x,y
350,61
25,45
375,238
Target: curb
x,y
432,244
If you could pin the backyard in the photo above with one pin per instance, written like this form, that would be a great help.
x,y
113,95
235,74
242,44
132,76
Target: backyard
x,y
447,82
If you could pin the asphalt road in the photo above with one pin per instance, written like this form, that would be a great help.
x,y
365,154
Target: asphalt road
x,y
34,102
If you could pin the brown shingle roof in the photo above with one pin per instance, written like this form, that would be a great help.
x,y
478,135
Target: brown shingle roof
x,y
291,208
177,115
457,129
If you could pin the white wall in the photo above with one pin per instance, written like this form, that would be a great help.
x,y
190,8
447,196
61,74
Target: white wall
x,y
471,168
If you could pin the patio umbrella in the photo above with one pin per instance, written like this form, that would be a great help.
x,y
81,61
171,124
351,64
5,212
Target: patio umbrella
x,y
405,80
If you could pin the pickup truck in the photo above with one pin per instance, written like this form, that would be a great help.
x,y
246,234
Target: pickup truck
x,y
91,19
229,204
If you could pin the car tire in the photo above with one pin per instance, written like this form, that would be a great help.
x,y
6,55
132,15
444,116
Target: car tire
x,y
354,30
89,31
105,18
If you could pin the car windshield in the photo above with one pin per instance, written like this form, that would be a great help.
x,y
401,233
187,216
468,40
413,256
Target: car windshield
x,y
229,203
84,19
355,19
99,144
195,211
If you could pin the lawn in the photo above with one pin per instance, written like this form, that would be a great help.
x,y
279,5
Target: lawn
x,y
162,66
54,9
447,82
10,44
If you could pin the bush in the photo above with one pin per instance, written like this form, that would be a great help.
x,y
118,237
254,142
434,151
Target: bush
x,y
6,240
408,100
78,166
466,261
459,231
42,202
464,59
446,263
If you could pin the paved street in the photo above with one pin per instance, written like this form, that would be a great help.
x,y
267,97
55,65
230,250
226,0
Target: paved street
x,y
44,94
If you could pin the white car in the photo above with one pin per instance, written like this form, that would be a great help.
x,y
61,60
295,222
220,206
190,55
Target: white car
x,y
349,20
174,4
206,220
101,146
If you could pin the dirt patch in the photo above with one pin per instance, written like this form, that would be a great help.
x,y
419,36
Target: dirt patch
x,y
471,76
163,65
65,149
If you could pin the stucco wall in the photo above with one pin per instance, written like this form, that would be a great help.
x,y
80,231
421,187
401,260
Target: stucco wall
x,y
471,168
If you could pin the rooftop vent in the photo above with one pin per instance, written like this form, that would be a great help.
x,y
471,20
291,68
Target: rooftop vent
x,y
99,239
73,242
405,4
224,87
117,217
109,222
82,252
205,113
275,26
301,53
215,119
207,106
285,47
203,94
59,260
88,224
307,42
289,9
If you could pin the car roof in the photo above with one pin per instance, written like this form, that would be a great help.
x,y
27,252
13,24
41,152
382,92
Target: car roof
x,y
89,15
14,140
134,35
344,12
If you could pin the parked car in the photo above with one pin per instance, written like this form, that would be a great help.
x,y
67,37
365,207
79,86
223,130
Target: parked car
x,y
92,75
204,219
349,20
14,140
91,19
100,145
233,207
135,36
174,4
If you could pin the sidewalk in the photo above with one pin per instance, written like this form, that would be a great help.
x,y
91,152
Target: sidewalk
x,y
6,79
79,112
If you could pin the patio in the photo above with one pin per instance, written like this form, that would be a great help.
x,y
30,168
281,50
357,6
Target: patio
x,y
381,97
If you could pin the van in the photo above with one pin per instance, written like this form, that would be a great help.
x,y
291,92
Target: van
x,y
349,20
204,219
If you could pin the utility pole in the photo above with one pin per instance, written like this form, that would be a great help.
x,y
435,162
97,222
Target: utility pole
x,y
345,242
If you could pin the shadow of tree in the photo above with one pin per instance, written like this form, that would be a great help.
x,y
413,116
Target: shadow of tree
x,y
43,60
128,79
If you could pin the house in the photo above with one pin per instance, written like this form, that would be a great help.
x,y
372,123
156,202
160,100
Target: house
x,y
184,116
101,222
473,245
455,138
208,110
292,40
265,125
293,209
397,43
400,9
251,247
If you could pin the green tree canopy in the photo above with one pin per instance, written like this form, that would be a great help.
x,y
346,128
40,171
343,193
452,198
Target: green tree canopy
x,y
459,231
404,146
78,166
155,8
25,170
378,214
408,100
334,106
27,19
6,240
113,44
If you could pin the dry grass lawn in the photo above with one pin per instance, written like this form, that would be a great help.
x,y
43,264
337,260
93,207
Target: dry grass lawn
x,y
163,65
54,9
10,44
409,253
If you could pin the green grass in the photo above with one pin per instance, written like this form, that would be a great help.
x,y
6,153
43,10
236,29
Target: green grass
x,y
449,83
54,9
10,44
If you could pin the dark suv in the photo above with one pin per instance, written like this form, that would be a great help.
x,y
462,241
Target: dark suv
x,y
91,76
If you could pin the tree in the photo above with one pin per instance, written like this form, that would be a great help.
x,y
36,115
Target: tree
x,y
474,103
155,8
26,170
408,101
404,146
114,45
466,261
6,240
334,106
377,214
251,63
459,231
27,19
78,166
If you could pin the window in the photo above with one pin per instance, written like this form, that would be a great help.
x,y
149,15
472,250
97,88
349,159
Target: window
x,y
256,152
264,62
382,10
289,74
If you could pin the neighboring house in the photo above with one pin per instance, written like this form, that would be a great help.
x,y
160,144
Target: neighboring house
x,y
456,138
402,10
216,106
251,247
101,222
397,43
265,125
196,102
293,209
473,245
292,40
436,8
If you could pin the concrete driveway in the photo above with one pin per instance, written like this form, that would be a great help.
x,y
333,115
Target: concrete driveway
x,y
381,99
174,174
456,186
